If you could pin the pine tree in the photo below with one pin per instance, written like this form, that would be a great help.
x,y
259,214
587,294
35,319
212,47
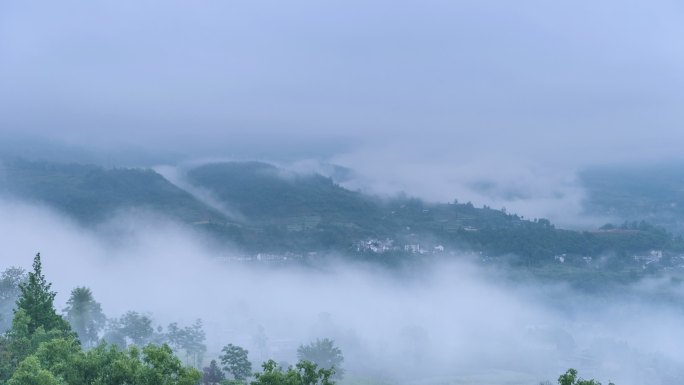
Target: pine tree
x,y
37,302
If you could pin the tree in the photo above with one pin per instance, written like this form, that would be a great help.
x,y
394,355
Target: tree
x,y
236,362
324,354
151,365
108,364
62,357
85,316
35,322
162,367
304,373
40,349
570,378
189,339
261,342
114,333
132,327
213,375
10,280
137,327
30,372
19,343
194,345
37,301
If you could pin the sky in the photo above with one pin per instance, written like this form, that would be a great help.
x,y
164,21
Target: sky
x,y
428,97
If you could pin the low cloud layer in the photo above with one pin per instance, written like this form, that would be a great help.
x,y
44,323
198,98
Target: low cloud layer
x,y
448,323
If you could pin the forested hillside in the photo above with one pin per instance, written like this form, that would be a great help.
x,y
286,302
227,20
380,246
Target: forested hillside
x,y
275,211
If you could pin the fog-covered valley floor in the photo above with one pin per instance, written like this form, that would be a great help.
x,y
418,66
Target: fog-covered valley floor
x,y
451,322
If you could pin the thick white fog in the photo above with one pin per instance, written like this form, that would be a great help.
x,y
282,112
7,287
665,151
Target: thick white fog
x,y
453,322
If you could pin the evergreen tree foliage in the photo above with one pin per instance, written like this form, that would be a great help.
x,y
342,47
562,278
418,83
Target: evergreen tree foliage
x,y
37,301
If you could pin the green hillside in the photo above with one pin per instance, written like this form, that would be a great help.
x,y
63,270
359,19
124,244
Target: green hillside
x,y
310,212
281,212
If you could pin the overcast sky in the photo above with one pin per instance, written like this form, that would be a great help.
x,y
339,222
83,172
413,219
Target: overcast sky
x,y
491,87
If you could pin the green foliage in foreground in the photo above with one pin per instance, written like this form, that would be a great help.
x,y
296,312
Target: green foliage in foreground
x,y
41,349
63,362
